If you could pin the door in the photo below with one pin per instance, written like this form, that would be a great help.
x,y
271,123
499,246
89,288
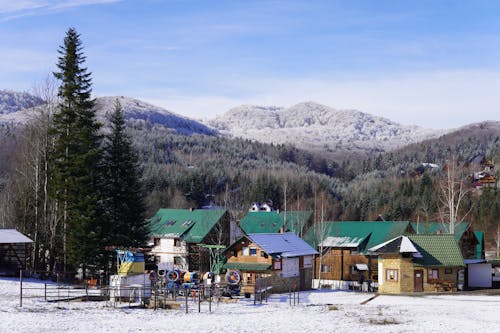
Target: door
x,y
418,280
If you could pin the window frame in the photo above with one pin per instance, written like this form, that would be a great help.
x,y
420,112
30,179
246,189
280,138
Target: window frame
x,y
395,274
430,274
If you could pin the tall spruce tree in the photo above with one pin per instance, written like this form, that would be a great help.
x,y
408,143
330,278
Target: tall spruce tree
x,y
77,180
125,209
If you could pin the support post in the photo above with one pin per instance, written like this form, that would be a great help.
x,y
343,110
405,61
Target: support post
x,y
20,288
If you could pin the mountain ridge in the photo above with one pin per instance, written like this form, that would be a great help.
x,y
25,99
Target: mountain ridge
x,y
317,126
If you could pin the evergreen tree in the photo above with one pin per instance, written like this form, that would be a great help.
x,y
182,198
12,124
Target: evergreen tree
x,y
76,157
125,209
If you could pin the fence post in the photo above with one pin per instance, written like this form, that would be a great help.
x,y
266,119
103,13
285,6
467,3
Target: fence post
x,y
199,299
186,297
20,288
209,299
45,292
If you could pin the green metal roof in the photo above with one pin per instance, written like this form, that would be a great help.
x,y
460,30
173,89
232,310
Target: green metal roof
x,y
376,232
271,222
432,228
190,225
437,250
243,266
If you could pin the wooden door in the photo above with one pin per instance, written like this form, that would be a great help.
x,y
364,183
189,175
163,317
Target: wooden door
x,y
418,280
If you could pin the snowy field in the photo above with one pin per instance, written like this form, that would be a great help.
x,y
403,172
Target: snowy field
x,y
318,311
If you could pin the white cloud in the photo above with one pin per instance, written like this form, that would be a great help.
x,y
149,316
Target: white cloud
x,y
10,10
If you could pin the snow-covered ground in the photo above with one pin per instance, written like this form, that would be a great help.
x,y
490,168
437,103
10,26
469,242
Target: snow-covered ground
x,y
318,311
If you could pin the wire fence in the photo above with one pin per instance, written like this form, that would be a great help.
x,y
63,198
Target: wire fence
x,y
155,295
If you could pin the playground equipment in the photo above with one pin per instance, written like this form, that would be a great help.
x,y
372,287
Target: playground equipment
x,y
233,282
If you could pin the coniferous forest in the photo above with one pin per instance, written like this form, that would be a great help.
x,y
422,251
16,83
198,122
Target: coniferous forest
x,y
76,186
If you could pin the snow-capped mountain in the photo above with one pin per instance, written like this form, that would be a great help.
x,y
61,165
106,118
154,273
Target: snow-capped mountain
x,y
12,101
18,108
137,111
312,125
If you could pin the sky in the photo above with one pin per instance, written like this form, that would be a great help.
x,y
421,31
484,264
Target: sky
x,y
430,63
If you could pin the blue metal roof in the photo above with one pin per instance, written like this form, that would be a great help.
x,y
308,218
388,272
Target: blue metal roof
x,y
283,245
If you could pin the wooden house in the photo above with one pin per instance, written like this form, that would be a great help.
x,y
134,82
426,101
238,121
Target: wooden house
x,y
419,263
14,251
283,258
176,235
345,260
259,222
466,238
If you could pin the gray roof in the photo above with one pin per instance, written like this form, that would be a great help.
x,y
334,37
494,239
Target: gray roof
x,y
12,236
283,245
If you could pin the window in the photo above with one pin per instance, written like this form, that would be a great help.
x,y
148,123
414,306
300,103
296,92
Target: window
x,y
391,275
263,254
170,222
156,241
177,242
352,269
244,251
249,278
235,253
253,251
324,268
186,223
432,273
448,271
277,265
177,261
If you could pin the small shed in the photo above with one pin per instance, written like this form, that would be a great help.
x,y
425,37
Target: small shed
x,y
13,251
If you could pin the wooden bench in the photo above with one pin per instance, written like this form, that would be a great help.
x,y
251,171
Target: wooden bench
x,y
443,285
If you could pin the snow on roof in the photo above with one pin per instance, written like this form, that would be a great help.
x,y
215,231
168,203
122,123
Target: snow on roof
x,y
401,244
9,236
342,241
284,245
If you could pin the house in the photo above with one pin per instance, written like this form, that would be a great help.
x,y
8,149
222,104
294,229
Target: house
x,y
345,259
258,222
177,234
13,251
417,263
283,258
464,235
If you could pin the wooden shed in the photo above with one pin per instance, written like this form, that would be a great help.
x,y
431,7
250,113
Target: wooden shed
x,y
13,251
284,258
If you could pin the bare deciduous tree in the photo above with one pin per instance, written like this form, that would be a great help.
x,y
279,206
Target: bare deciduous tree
x,y
453,191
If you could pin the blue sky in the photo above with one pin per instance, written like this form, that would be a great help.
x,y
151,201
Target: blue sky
x,y
430,63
